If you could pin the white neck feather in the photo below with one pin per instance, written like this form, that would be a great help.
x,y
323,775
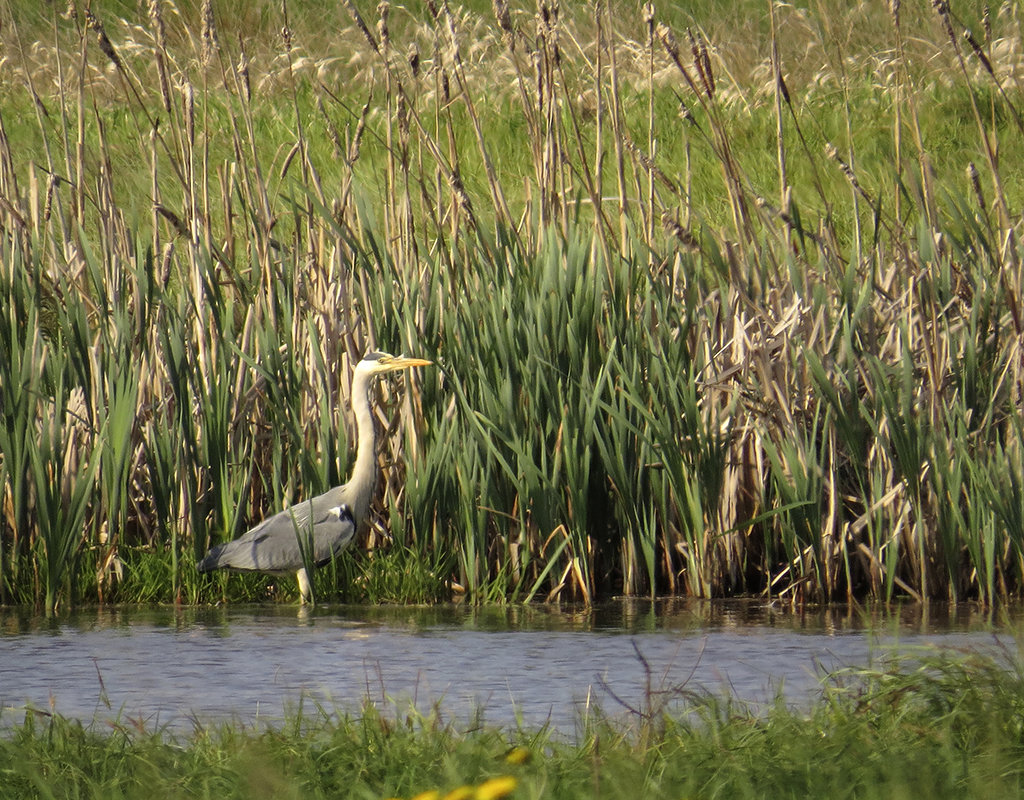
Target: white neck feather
x,y
364,473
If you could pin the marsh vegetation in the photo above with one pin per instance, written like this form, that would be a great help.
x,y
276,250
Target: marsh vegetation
x,y
945,726
725,302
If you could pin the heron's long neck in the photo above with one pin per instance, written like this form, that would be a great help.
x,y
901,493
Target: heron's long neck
x,y
364,475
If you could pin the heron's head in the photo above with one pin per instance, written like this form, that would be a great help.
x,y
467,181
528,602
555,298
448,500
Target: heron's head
x,y
379,363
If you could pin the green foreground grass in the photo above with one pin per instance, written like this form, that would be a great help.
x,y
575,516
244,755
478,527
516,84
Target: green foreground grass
x,y
941,726
722,302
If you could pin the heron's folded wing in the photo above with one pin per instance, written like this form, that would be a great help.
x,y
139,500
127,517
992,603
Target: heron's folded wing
x,y
269,547
274,544
333,530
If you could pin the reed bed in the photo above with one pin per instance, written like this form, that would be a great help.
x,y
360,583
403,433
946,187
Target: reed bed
x,y
719,306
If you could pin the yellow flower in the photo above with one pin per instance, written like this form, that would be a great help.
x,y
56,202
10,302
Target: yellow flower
x,y
518,755
496,788
461,793
430,794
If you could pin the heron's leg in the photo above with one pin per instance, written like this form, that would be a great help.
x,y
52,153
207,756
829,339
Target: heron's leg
x,y
305,590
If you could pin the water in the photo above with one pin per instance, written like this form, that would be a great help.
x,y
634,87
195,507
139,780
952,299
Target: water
x,y
176,668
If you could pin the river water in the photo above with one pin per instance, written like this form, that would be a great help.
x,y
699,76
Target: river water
x,y
178,668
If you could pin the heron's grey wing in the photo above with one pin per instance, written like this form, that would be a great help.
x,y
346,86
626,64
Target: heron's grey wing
x,y
269,547
333,530
273,545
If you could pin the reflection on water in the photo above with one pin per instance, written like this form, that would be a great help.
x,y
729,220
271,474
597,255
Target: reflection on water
x,y
533,665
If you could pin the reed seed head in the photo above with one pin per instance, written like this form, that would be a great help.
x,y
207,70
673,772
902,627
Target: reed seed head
x,y
208,32
975,180
242,70
383,33
190,112
502,15
332,129
51,186
672,228
979,53
357,18
154,9
668,40
413,59
94,24
357,138
702,62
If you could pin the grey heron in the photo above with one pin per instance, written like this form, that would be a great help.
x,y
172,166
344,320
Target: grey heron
x,y
324,525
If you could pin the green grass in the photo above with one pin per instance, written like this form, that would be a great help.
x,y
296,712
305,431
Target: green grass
x,y
698,330
944,725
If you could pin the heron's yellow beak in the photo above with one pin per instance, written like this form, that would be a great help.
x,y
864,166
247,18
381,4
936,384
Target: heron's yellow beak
x,y
404,362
